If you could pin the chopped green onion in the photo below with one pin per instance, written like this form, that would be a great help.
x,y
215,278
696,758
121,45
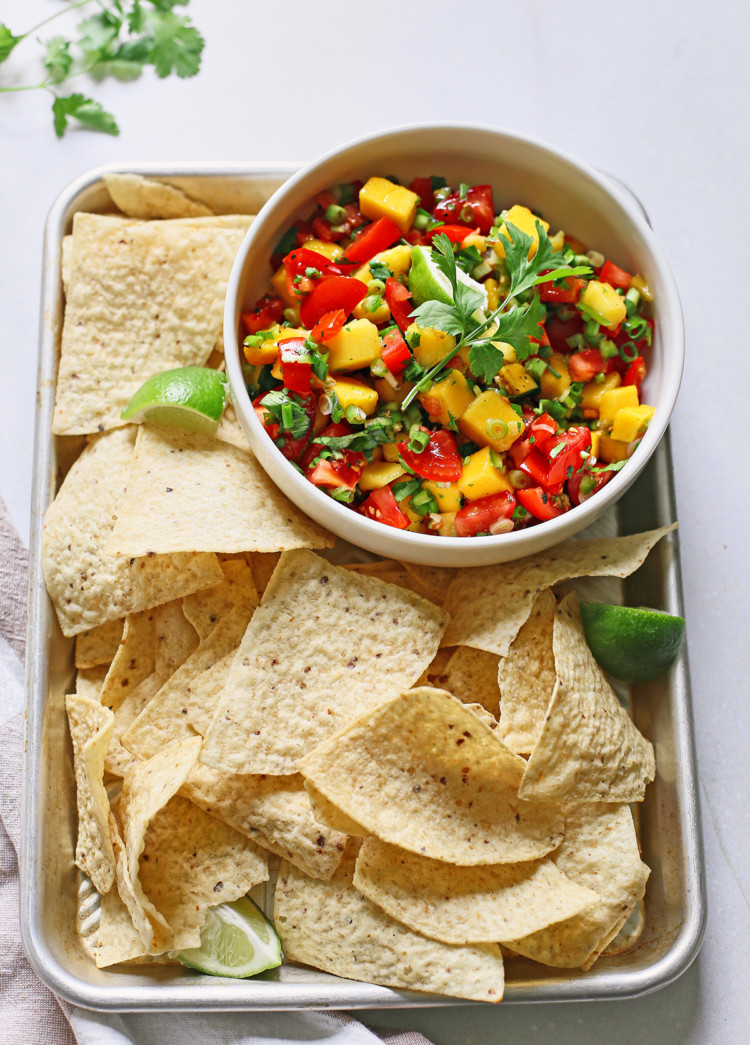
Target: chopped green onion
x,y
376,286
519,513
423,219
378,368
628,351
312,273
575,341
556,450
595,259
608,348
496,428
587,484
424,502
355,415
497,460
418,439
633,297
335,214
372,302
287,416
291,315
535,366
406,489
340,493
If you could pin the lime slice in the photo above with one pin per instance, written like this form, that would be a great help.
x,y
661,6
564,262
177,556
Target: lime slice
x,y
632,644
236,940
428,283
191,397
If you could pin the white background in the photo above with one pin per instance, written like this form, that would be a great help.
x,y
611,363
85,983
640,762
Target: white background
x,y
655,93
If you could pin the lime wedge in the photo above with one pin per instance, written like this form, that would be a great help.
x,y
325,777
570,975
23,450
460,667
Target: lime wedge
x,y
428,283
236,940
191,397
634,644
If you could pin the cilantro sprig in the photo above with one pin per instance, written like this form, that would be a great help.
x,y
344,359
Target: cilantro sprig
x,y
119,40
511,322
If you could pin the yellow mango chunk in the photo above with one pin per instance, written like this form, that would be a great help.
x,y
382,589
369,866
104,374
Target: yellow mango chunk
x,y
392,393
516,380
630,422
491,421
278,282
398,260
480,477
592,392
611,402
447,495
378,474
268,351
434,345
595,440
447,525
525,220
355,346
555,387
390,451
604,302
332,251
380,198
375,315
355,393
493,294
448,398
611,450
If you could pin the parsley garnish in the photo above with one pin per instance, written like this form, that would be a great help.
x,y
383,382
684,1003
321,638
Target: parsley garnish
x,y
378,270
287,410
366,439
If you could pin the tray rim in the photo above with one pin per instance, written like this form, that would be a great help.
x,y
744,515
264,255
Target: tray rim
x,y
196,995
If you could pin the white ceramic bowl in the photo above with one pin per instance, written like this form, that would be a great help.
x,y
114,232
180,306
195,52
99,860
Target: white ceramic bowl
x,y
571,196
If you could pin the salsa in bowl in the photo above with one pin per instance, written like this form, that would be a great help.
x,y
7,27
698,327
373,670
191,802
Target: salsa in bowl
x,y
443,353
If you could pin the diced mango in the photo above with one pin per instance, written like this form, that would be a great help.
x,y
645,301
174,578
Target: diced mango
x,y
493,293
630,422
490,420
354,347
390,451
604,302
377,315
555,387
508,351
611,450
596,436
524,220
591,395
447,495
516,380
433,345
639,283
557,242
375,476
415,521
355,393
380,198
446,527
398,260
328,250
388,394
260,355
611,402
448,398
480,477
278,282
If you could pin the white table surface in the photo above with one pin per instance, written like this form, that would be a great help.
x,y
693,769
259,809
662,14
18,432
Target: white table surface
x,y
655,93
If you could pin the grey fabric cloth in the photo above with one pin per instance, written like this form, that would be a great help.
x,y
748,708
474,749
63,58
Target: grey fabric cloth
x,y
29,1013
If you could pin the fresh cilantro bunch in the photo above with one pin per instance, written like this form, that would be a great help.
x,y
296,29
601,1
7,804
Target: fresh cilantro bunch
x,y
513,323
120,39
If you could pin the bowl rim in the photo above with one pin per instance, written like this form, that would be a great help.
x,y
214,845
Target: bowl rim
x,y
551,531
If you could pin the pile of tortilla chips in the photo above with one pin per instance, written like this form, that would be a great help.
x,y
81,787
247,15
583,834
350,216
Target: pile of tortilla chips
x,y
439,774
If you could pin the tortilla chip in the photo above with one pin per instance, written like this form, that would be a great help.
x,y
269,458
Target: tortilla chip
x,y
145,790
425,773
134,660
467,904
589,749
192,861
190,492
99,645
489,604
119,760
471,676
90,729
330,814
263,564
145,297
229,430
87,586
139,197
434,579
115,939
66,261
600,852
89,682
275,812
526,678
151,926
175,638
332,927
205,608
325,646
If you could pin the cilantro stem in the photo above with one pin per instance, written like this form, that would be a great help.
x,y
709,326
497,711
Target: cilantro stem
x,y
45,21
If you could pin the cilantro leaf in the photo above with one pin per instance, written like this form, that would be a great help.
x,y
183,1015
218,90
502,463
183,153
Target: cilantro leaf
x,y
378,270
615,466
444,258
177,45
525,272
519,326
440,316
467,301
7,41
57,59
468,258
285,409
99,35
485,360
86,111
366,439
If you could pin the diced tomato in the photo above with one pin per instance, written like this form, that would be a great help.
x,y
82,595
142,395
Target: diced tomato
x,y
382,506
296,367
540,504
455,233
585,365
536,465
299,261
476,208
423,189
267,311
395,353
328,326
583,485
635,373
565,292
338,292
481,515
324,230
574,442
342,470
615,276
377,236
325,199
399,302
559,330
292,448
439,461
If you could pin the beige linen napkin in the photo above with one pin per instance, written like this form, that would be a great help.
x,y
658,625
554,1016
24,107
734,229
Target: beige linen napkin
x,y
29,1013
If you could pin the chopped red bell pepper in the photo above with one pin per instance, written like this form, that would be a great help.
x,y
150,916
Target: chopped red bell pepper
x,y
377,236
328,326
565,292
585,365
395,353
423,189
476,208
299,261
455,233
541,505
338,292
536,466
481,515
564,453
635,373
398,300
559,330
439,461
267,311
296,366
382,506
614,275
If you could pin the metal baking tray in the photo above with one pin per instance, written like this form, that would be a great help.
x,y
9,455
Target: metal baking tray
x,y
670,925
